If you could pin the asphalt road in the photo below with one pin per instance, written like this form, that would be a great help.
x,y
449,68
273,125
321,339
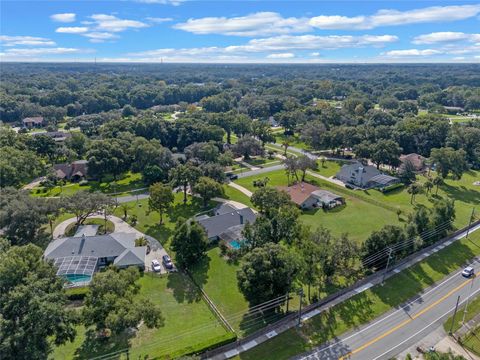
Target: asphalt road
x,y
403,327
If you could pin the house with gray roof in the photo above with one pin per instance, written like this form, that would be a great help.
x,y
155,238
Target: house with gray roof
x,y
80,257
75,171
225,218
364,176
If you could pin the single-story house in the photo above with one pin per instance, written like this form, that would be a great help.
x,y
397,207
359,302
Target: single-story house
x,y
75,171
31,122
78,258
225,218
308,196
365,177
418,162
57,136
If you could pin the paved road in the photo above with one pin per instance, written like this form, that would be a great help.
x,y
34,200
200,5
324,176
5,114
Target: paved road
x,y
402,328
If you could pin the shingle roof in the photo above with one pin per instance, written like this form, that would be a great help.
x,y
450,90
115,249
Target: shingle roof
x,y
299,192
129,257
97,246
35,120
215,225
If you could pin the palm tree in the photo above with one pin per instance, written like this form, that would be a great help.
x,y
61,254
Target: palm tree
x,y
437,182
125,207
428,185
414,189
285,144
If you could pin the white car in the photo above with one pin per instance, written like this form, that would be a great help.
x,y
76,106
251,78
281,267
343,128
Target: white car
x,y
468,271
156,265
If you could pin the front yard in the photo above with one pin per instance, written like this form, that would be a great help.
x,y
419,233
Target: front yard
x,y
189,325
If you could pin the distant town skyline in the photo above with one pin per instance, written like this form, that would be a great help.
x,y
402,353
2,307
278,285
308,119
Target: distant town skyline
x,y
177,31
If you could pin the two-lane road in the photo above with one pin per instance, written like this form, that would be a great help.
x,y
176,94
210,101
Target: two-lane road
x,y
403,327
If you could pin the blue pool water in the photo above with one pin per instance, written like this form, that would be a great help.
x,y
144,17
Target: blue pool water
x,y
235,244
78,278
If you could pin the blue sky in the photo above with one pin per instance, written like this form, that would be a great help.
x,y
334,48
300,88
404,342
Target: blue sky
x,y
240,31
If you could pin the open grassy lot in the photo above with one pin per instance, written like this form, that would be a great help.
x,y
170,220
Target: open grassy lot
x,y
189,324
148,222
294,140
236,195
218,278
349,218
127,182
465,194
368,305
329,168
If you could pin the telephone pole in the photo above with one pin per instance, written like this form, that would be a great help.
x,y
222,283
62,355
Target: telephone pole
x,y
300,292
454,314
388,263
470,222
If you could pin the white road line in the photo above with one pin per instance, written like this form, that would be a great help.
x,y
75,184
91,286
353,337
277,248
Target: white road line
x,y
426,327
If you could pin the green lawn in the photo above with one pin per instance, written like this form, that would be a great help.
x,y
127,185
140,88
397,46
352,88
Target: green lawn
x,y
149,222
236,195
294,141
218,279
329,168
472,341
189,324
349,218
473,309
127,182
368,305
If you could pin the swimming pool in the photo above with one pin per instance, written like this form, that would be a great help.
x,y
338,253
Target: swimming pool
x,y
235,244
75,279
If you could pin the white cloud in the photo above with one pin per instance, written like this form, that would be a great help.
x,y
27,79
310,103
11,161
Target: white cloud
x,y
6,40
72,30
311,42
315,54
281,56
20,52
445,36
261,23
99,37
64,18
158,20
284,43
412,52
110,23
388,17
459,58
162,2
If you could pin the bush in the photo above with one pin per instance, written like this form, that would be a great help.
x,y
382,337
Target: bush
x,y
78,293
222,244
391,187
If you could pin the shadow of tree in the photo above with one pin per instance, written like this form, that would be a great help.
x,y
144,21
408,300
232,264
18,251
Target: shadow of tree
x,y
462,193
94,346
184,290
200,271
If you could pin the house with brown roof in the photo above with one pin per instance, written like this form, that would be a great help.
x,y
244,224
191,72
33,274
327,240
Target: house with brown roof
x,y
418,162
31,122
75,171
308,196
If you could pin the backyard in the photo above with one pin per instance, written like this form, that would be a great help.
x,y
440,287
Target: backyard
x,y
189,324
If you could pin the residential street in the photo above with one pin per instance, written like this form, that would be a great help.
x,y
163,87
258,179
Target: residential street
x,y
403,327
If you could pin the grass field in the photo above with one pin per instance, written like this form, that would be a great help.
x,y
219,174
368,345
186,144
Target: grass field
x,y
189,323
149,222
349,218
129,181
472,341
294,140
368,305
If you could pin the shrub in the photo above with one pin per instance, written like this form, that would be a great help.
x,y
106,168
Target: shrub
x,y
222,244
78,293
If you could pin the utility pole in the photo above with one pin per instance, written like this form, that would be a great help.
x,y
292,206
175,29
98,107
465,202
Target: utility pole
x,y
470,223
453,319
300,292
468,298
388,263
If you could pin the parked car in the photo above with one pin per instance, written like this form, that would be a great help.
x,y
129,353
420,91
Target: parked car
x,y
468,272
231,176
167,262
156,265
